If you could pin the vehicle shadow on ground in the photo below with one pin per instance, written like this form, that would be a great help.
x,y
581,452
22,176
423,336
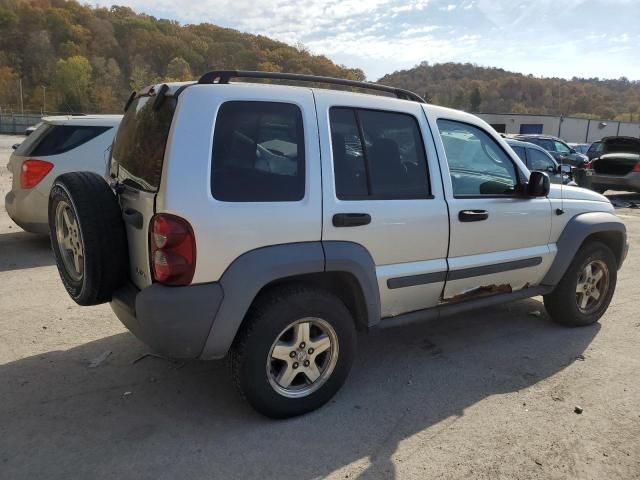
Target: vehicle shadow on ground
x,y
160,419
20,250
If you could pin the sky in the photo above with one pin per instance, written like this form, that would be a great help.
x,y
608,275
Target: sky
x,y
551,38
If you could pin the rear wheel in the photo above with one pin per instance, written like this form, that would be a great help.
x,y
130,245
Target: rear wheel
x,y
294,351
586,289
87,237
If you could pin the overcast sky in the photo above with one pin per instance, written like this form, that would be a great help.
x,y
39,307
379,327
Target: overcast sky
x,y
563,38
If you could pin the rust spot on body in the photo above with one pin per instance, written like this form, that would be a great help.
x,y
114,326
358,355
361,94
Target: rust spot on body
x,y
481,291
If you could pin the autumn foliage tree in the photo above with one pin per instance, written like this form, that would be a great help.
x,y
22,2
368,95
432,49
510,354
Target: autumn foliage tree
x,y
89,59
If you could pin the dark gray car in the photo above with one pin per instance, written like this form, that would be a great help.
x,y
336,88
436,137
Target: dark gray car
x,y
557,147
538,159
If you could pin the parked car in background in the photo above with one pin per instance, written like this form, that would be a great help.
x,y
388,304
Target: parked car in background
x,y
594,150
32,129
59,145
580,147
617,167
538,159
557,147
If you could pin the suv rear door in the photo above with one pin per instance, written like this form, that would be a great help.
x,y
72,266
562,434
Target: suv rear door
x,y
381,189
136,163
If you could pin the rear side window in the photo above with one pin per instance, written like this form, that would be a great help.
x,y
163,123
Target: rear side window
x,y
520,152
258,153
138,150
59,139
377,155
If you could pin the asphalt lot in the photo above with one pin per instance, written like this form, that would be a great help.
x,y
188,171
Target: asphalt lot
x,y
484,395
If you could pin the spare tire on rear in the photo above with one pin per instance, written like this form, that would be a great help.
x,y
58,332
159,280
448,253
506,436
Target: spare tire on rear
x,y
88,237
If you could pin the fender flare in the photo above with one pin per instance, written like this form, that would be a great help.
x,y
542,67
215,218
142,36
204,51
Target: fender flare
x,y
574,234
252,271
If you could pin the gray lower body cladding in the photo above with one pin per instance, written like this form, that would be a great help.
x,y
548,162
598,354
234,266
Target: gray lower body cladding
x,y
201,321
174,321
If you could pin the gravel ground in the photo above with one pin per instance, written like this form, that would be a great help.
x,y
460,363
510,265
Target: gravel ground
x,y
485,395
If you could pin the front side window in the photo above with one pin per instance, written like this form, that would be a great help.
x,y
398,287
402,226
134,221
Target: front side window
x,y
258,153
540,161
377,155
477,164
561,147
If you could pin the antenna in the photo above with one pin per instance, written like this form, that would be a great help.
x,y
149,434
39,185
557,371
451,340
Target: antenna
x,y
560,211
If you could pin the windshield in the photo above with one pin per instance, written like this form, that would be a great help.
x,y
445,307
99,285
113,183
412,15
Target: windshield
x,y
138,150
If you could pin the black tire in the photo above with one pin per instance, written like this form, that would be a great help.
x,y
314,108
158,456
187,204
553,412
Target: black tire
x,y
100,231
562,303
251,352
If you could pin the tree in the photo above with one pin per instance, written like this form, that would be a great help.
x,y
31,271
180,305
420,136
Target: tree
x,y
9,96
475,99
71,81
178,70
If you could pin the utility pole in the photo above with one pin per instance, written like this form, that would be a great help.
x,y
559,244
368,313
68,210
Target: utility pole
x,y
21,99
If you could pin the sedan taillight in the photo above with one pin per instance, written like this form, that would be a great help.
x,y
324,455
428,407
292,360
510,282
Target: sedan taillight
x,y
173,250
33,171
637,168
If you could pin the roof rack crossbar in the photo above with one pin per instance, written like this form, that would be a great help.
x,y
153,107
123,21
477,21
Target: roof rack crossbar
x,y
224,76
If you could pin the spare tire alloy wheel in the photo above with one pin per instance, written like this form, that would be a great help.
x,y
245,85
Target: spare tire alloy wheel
x,y
88,237
302,357
69,240
592,286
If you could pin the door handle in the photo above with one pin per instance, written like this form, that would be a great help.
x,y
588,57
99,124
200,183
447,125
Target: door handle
x,y
473,215
351,219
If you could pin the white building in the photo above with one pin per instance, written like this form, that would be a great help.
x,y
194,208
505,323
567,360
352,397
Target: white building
x,y
570,129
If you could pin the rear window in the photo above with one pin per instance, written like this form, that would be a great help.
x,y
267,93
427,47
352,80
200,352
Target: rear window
x,y
138,150
258,153
52,139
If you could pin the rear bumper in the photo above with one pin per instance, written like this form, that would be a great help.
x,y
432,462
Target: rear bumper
x,y
28,209
630,181
174,321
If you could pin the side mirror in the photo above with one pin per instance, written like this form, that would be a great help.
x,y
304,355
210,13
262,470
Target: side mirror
x,y
539,184
15,146
572,150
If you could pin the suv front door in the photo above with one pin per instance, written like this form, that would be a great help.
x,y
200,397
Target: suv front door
x,y
376,164
499,239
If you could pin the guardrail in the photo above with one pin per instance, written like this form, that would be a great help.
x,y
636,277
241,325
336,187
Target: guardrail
x,y
17,123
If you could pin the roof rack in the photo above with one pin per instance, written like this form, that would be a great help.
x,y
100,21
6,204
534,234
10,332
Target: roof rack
x,y
223,77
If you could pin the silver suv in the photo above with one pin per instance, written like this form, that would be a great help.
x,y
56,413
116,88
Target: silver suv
x,y
272,222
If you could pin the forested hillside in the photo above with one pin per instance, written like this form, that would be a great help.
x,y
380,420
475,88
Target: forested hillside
x,y
70,57
80,59
479,89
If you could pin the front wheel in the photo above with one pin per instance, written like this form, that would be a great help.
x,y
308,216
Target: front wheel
x,y
294,351
585,291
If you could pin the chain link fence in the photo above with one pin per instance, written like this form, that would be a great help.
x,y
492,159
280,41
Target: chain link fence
x,y
12,123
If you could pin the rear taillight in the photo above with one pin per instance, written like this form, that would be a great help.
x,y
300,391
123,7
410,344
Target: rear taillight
x,y
173,250
637,168
33,171
589,165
